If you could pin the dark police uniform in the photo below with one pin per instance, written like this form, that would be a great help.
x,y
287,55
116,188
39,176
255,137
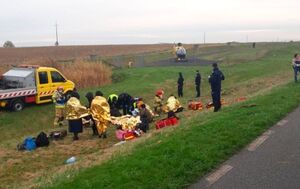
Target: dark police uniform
x,y
180,86
198,83
215,82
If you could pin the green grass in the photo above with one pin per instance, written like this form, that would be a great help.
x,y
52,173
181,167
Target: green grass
x,y
193,149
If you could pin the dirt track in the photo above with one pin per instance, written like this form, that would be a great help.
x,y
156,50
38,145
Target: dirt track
x,y
191,61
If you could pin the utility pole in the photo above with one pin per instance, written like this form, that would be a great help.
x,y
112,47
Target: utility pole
x,y
247,39
56,43
204,38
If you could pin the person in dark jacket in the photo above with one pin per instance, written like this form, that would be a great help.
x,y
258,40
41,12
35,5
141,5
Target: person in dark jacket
x,y
180,85
125,102
198,83
215,80
146,118
113,104
89,96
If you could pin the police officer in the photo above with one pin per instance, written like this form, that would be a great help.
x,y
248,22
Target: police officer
x,y
180,85
215,82
198,83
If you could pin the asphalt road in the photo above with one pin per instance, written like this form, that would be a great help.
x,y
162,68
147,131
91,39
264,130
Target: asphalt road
x,y
270,162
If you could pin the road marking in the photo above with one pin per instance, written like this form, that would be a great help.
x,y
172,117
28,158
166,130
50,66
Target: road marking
x,y
214,177
255,144
282,122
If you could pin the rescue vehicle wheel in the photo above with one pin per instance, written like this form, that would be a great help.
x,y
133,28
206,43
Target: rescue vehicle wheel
x,y
17,105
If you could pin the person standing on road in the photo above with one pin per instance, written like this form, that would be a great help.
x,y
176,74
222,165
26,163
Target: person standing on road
x,y
180,85
198,83
215,80
296,66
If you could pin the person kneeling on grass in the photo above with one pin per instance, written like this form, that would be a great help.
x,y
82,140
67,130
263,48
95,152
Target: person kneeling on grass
x,y
173,104
146,118
75,112
101,114
158,104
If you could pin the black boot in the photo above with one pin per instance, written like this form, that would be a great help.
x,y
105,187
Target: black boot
x,y
75,136
104,135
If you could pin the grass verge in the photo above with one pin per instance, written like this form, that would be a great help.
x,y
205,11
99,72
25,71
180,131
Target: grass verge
x,y
193,149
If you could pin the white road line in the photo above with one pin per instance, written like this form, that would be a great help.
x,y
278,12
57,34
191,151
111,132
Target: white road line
x,y
255,144
215,176
282,122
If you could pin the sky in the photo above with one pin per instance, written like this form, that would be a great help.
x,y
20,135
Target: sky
x,y
89,22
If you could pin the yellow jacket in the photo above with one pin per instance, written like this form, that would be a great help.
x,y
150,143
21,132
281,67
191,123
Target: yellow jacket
x,y
173,104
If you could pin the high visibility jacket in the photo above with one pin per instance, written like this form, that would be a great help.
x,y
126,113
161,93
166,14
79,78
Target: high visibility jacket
x,y
59,99
112,96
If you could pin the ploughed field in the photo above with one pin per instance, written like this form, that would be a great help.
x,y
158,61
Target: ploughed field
x,y
12,56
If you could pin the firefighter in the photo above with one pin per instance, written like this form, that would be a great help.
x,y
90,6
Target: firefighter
x,y
198,83
173,104
59,100
180,85
158,104
215,80
101,114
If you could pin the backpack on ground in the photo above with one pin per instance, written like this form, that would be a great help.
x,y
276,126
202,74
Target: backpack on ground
x,y
42,140
29,144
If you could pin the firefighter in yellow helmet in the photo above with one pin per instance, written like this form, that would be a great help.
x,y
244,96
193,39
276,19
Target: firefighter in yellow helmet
x,y
101,113
59,100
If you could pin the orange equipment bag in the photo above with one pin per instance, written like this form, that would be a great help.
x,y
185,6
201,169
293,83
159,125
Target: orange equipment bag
x,y
129,135
195,105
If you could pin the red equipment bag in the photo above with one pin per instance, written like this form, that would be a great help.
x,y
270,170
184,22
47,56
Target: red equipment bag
x,y
195,106
166,122
129,135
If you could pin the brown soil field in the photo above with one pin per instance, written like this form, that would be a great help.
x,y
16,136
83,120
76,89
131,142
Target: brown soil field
x,y
13,56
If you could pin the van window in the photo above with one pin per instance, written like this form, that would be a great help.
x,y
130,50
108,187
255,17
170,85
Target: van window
x,y
56,77
43,77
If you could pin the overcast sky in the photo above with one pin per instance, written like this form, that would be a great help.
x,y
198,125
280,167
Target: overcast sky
x,y
32,22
